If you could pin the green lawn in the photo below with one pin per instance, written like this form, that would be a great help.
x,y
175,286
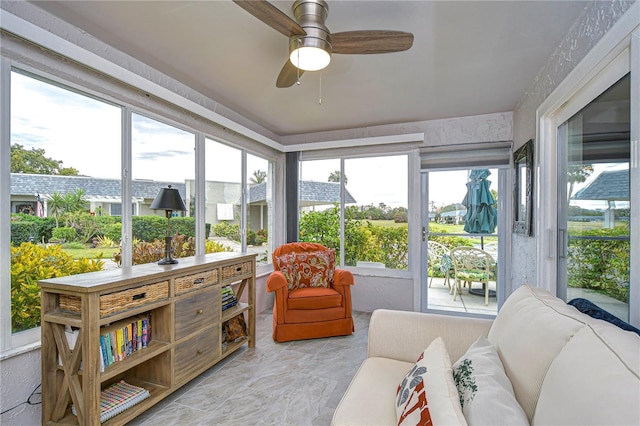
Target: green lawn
x,y
92,253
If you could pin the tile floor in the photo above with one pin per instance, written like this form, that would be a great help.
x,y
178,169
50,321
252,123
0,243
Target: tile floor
x,y
294,383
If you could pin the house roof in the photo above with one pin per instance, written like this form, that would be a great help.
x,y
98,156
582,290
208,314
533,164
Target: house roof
x,y
94,188
608,185
311,193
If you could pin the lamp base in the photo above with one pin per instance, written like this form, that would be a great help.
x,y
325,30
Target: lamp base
x,y
167,261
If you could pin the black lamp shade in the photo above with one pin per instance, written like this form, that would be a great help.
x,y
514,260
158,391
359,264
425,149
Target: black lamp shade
x,y
168,199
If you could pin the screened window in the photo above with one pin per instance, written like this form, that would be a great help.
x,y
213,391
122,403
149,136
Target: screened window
x,y
65,165
368,197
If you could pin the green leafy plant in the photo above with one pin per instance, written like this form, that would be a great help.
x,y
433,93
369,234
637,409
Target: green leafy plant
x,y
64,234
181,246
31,263
105,242
600,264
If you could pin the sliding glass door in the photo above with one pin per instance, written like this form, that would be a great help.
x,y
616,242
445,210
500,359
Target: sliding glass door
x,y
594,201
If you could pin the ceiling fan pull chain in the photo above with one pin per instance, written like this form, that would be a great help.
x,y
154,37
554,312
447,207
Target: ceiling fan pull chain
x,y
320,95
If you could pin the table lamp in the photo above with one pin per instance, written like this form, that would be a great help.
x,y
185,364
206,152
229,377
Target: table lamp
x,y
168,199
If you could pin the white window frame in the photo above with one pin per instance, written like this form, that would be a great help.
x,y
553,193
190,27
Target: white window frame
x,y
14,344
615,55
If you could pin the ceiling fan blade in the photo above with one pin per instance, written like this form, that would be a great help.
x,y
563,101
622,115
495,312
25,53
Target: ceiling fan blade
x,y
371,41
272,16
288,75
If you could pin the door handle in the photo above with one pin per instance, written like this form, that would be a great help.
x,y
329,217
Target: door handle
x,y
424,233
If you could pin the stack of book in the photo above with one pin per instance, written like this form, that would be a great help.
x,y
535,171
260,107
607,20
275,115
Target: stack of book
x,y
229,299
121,339
117,398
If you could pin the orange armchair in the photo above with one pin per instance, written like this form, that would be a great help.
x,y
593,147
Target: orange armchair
x,y
308,312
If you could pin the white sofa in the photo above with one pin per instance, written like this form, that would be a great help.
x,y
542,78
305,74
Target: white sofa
x,y
565,367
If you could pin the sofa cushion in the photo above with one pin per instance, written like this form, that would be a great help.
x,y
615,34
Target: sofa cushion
x,y
427,393
486,395
595,379
314,298
376,380
531,329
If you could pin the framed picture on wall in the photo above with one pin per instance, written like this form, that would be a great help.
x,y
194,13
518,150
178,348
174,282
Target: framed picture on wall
x,y
523,189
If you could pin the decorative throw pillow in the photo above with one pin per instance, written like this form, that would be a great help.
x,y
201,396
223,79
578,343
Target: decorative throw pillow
x,y
286,264
485,392
427,394
315,269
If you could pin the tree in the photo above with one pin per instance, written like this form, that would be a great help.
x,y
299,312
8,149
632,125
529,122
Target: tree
x,y
577,173
259,176
34,161
63,205
335,177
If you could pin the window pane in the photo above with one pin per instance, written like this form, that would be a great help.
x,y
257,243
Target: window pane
x,y
223,195
162,155
462,214
376,228
594,260
65,172
318,203
259,206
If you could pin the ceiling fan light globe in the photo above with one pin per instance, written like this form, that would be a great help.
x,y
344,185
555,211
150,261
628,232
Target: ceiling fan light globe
x,y
310,58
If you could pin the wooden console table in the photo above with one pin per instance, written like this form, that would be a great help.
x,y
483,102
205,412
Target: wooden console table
x,y
183,302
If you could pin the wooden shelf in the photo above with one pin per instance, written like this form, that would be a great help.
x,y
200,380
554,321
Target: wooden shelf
x,y
186,329
229,313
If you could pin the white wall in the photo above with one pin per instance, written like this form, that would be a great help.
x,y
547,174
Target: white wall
x,y
581,37
19,376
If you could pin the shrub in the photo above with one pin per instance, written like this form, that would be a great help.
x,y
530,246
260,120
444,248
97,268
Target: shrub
x,y
149,228
112,231
23,232
105,242
227,230
181,246
601,265
31,263
64,234
22,228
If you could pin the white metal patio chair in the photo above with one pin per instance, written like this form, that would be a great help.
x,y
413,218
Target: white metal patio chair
x,y
471,265
437,258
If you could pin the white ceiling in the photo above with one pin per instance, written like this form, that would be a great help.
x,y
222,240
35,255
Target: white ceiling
x,y
468,58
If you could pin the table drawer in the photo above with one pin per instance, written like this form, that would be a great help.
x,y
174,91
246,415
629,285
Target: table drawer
x,y
237,270
196,281
196,312
196,354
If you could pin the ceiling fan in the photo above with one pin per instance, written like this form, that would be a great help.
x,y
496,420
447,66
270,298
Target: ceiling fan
x,y
310,41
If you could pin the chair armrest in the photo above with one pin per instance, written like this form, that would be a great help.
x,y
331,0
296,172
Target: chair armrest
x,y
404,335
276,281
342,277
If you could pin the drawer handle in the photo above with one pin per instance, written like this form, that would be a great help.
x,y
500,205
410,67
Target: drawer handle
x,y
199,311
198,281
139,296
239,268
199,352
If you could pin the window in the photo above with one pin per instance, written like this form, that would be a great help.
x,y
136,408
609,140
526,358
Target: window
x,y
66,195
259,207
65,163
223,194
162,156
372,200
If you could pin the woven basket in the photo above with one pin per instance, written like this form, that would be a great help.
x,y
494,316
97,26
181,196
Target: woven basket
x,y
119,301
195,281
236,270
